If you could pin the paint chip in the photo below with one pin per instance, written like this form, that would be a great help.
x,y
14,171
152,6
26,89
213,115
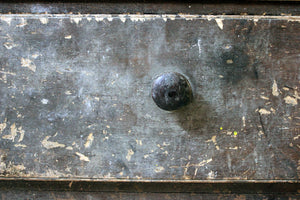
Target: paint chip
x,y
44,20
28,63
264,97
6,19
9,45
263,111
220,23
275,89
244,121
3,125
129,154
68,92
76,19
69,148
159,169
13,133
202,163
50,145
89,140
44,101
230,61
82,157
21,145
290,100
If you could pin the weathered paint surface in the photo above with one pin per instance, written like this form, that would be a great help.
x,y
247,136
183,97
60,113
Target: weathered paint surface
x,y
75,97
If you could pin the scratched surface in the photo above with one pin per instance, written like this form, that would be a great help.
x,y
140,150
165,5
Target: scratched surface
x,y
75,97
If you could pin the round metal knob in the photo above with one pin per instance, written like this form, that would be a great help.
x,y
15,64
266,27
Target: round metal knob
x,y
171,91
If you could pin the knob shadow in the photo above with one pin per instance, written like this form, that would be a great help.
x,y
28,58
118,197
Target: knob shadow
x,y
193,118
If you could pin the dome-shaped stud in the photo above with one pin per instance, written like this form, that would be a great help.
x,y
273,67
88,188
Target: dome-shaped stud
x,y
171,91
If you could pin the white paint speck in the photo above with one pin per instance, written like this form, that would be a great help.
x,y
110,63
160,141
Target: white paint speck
x,y
199,46
44,101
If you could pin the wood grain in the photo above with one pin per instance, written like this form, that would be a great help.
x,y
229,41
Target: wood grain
x,y
75,97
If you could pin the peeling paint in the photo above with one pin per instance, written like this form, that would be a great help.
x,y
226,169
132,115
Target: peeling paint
x,y
188,17
34,56
68,92
230,61
296,137
28,63
129,154
69,148
20,145
213,139
159,169
244,121
204,162
122,18
164,17
22,133
211,175
136,18
7,19
139,142
290,100
9,45
275,89
44,101
82,157
220,23
264,97
50,145
146,156
89,140
13,133
44,20
263,111
76,19
99,18
22,23
3,125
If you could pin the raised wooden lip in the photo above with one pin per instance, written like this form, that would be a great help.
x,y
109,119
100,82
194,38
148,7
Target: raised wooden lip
x,y
153,186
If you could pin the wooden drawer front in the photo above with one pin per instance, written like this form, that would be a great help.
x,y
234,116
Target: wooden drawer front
x,y
75,97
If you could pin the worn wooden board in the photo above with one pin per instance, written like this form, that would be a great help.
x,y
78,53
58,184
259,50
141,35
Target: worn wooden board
x,y
75,97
